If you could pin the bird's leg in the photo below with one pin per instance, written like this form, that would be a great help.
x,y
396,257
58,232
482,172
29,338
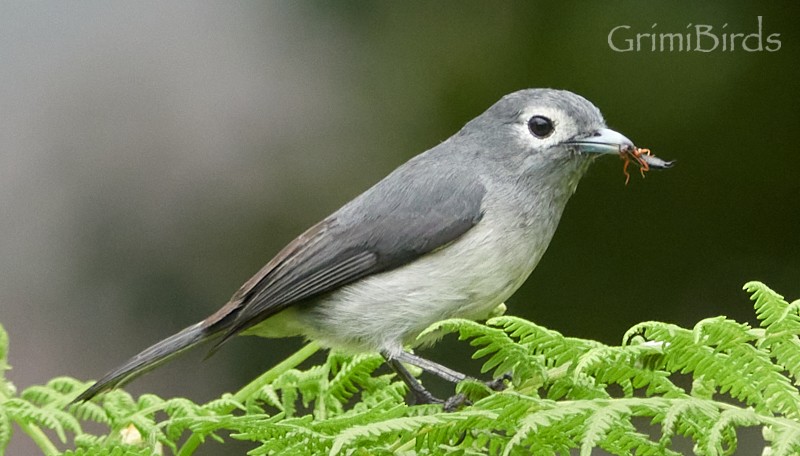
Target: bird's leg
x,y
431,367
443,372
420,394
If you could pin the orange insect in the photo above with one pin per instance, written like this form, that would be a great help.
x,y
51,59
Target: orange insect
x,y
638,155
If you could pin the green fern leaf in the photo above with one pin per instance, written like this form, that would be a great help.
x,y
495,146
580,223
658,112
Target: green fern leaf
x,y
5,429
402,424
89,411
625,440
223,404
722,436
353,375
57,420
770,306
537,423
783,438
599,423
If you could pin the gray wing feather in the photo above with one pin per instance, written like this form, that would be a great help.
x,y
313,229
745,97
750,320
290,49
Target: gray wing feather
x,y
408,214
413,211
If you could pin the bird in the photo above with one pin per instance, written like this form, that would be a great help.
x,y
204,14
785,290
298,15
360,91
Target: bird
x,y
451,233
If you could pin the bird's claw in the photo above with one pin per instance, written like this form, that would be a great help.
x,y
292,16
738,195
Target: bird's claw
x,y
499,384
459,400
455,402
422,397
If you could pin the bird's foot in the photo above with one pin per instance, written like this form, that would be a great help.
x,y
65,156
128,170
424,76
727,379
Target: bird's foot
x,y
499,384
459,400
455,402
422,396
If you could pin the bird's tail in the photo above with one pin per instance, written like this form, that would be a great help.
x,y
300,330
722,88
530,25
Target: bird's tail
x,y
152,357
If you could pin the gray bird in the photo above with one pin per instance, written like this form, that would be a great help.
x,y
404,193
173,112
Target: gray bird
x,y
453,232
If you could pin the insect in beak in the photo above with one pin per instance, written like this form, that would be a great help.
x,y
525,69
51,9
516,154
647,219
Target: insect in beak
x,y
643,158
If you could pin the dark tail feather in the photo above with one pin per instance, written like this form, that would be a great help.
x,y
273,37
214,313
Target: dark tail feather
x,y
151,358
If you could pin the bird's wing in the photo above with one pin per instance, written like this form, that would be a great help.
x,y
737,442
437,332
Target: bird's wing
x,y
398,220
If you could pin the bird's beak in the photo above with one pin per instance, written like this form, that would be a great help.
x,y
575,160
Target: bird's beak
x,y
603,141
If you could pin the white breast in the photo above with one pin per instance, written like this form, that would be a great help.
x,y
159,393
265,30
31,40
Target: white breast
x,y
467,278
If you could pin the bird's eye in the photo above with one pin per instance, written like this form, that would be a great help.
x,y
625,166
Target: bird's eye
x,y
540,126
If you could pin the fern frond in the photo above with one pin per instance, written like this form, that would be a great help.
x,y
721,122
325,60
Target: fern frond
x,y
57,420
382,412
351,376
89,411
722,436
630,366
771,308
223,404
623,439
111,450
119,405
147,402
408,427
41,395
536,430
381,389
719,350
556,348
783,438
505,355
600,423
5,430
277,435
57,392
4,391
781,321
567,394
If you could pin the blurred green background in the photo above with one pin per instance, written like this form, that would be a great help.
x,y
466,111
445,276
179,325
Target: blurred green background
x,y
155,155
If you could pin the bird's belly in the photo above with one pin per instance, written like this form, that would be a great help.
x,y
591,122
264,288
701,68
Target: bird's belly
x,y
467,278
